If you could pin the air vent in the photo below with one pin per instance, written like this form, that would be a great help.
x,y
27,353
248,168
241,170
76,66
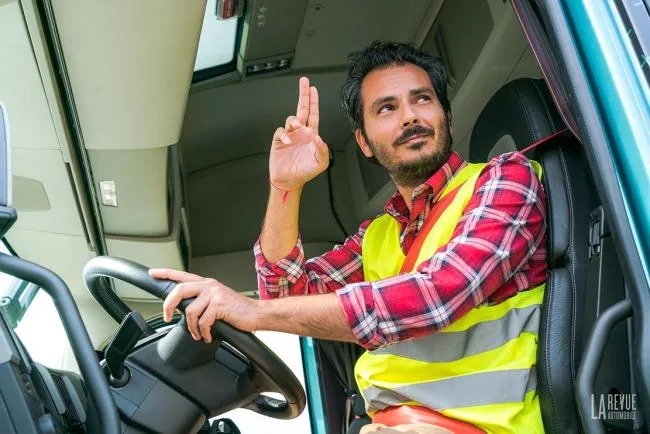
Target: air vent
x,y
74,414
268,66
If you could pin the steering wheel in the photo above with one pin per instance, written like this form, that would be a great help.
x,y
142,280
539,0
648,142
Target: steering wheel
x,y
174,356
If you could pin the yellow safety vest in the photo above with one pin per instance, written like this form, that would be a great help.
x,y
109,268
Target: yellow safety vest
x,y
481,368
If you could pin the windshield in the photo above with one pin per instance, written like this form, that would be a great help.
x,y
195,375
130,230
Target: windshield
x,y
7,283
34,318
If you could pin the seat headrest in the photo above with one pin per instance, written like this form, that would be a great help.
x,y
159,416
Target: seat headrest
x,y
519,114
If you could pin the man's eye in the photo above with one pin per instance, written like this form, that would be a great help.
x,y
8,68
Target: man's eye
x,y
424,98
385,108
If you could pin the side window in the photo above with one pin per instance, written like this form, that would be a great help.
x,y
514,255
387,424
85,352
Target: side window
x,y
31,313
287,347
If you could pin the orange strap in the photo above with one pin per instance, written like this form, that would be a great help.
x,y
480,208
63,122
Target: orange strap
x,y
407,414
431,220
543,140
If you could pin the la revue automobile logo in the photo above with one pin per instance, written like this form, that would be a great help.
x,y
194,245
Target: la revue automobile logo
x,y
614,406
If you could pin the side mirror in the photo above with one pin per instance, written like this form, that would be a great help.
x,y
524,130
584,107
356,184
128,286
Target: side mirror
x,y
7,213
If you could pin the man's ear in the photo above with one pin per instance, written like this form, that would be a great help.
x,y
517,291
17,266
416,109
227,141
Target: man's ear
x,y
363,144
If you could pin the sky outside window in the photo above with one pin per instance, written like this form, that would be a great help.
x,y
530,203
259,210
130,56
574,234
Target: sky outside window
x,y
217,43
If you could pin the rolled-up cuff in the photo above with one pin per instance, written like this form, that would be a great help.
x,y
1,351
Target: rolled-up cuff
x,y
359,309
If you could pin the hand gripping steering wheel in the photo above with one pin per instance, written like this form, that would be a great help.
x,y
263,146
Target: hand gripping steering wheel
x,y
268,372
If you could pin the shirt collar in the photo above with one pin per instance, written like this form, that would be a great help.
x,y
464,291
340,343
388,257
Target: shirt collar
x,y
435,185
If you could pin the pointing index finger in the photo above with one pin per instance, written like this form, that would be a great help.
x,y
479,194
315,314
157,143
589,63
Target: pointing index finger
x,y
302,112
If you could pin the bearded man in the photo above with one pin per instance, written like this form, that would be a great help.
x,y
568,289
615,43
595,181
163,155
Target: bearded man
x,y
444,289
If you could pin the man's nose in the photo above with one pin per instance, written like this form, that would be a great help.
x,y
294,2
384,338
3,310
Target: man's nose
x,y
409,117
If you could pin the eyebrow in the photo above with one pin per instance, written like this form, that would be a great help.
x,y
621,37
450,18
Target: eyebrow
x,y
421,90
413,92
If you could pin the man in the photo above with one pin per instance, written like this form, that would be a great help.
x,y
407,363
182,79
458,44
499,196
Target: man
x,y
444,289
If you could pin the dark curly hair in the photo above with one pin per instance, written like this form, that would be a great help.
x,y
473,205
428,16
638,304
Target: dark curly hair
x,y
380,55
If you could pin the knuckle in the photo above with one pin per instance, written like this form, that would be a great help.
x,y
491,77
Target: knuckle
x,y
173,293
205,327
169,304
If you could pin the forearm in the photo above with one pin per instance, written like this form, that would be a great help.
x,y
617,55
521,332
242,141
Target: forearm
x,y
318,316
280,230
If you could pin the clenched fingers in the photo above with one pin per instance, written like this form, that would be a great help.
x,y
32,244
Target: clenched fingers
x,y
181,292
195,311
281,136
292,123
207,319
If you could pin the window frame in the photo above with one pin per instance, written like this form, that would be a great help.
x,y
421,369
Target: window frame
x,y
215,71
15,302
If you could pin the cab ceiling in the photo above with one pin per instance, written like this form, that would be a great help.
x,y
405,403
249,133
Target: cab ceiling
x,y
228,122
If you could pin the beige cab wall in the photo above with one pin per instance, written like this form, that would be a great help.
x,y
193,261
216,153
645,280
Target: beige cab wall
x,y
130,66
53,219
49,230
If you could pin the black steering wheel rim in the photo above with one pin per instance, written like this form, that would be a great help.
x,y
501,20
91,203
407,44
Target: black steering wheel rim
x,y
276,374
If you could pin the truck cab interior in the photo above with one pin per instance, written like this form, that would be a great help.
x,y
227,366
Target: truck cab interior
x,y
132,138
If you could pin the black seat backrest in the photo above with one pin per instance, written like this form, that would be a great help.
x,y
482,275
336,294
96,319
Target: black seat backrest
x,y
519,114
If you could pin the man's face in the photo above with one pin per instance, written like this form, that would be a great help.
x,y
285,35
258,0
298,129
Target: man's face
x,y
406,128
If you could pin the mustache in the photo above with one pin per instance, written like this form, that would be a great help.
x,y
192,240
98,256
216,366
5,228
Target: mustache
x,y
416,130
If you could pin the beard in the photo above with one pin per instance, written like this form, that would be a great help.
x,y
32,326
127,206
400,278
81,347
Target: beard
x,y
415,172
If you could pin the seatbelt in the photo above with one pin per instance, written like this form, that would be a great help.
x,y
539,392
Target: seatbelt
x,y
544,140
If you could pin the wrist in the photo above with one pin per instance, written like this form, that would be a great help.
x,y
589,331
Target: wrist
x,y
283,187
261,315
285,191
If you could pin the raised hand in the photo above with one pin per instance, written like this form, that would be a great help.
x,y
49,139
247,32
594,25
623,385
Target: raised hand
x,y
298,154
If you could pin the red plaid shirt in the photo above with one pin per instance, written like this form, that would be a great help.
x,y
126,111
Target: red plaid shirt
x,y
497,249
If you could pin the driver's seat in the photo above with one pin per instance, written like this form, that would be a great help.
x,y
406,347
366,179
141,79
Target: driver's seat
x,y
521,113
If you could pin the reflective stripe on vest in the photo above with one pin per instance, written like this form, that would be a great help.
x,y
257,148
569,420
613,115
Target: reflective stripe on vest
x,y
481,368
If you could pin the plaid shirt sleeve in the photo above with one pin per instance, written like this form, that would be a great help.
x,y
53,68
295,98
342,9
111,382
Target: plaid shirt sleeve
x,y
503,227
293,276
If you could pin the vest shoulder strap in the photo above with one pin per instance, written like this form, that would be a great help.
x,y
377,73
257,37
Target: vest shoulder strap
x,y
444,216
381,252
